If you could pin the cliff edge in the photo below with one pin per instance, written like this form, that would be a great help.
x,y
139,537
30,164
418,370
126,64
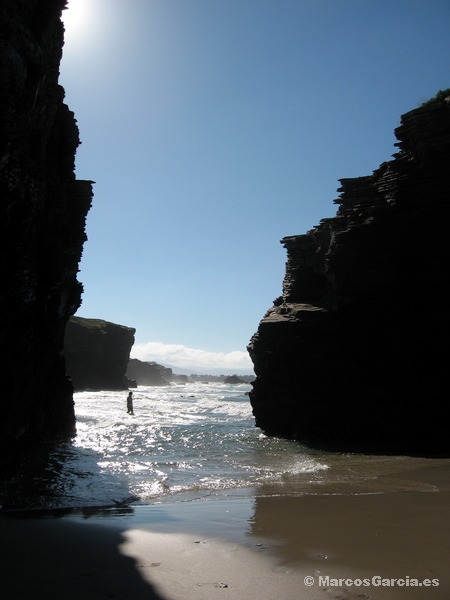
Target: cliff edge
x,y
352,356
42,221
97,354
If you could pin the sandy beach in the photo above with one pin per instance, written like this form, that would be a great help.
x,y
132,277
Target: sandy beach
x,y
264,546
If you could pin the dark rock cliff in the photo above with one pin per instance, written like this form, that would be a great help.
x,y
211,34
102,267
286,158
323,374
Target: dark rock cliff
x,y
148,373
42,220
353,356
233,379
152,373
97,354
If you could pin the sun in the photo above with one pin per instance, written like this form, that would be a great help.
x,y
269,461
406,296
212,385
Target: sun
x,y
75,17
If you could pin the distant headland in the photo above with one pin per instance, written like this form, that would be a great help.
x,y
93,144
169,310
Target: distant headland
x,y
97,355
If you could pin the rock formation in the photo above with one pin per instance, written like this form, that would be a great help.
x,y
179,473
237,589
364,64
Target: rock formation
x,y
148,373
233,379
352,356
97,354
152,373
42,220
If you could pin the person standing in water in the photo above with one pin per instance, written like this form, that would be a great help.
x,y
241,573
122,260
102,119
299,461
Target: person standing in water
x,y
130,403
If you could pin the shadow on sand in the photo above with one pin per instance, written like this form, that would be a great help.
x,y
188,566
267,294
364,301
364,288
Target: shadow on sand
x,y
56,559
46,556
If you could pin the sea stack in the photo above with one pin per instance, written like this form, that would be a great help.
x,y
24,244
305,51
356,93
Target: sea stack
x,y
352,356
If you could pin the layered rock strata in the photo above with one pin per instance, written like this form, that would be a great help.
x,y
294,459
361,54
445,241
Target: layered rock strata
x,y
42,226
97,354
352,356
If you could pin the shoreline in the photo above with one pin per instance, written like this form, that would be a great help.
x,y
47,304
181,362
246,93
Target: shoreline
x,y
258,547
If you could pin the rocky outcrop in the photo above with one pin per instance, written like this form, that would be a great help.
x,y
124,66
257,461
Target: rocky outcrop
x,y
233,379
151,373
42,221
352,356
97,354
148,373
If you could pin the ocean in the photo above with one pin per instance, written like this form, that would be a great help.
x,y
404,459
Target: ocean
x,y
190,442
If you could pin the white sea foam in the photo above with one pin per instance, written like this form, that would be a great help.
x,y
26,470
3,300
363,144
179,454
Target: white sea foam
x,y
192,438
187,442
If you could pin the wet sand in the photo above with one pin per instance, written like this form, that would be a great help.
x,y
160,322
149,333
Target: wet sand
x,y
253,547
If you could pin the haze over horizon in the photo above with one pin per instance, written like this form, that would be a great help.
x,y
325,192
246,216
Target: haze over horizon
x,y
215,128
185,360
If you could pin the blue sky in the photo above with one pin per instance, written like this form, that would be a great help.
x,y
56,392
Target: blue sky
x,y
214,128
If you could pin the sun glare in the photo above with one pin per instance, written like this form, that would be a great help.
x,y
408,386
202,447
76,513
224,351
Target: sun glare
x,y
75,17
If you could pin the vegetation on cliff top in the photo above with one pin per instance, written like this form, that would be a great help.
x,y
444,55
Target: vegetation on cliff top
x,y
439,97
